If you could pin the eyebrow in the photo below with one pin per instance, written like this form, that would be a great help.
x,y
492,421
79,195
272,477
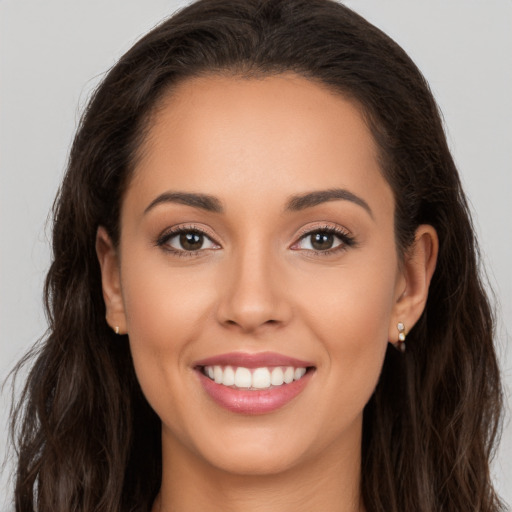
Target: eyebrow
x,y
301,202
295,203
202,201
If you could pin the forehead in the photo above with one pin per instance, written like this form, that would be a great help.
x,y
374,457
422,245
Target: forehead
x,y
222,135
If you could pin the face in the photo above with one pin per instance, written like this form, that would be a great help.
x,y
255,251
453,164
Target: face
x,y
257,276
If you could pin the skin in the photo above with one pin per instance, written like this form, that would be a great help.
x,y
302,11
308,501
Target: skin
x,y
256,285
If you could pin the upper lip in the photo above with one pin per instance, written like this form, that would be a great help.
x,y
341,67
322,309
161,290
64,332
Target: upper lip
x,y
254,360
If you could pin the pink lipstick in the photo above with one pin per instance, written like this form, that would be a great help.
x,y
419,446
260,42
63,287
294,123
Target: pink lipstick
x,y
253,383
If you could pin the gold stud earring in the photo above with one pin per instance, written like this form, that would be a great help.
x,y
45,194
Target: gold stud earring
x,y
401,336
116,330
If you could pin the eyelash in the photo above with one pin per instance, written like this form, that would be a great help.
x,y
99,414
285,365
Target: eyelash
x,y
164,238
347,240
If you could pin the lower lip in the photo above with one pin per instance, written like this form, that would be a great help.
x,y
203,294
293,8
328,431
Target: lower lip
x,y
262,401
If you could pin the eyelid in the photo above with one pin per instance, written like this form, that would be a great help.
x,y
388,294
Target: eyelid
x,y
322,226
342,233
173,231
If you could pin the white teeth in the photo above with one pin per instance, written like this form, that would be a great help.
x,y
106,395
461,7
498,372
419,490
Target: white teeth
x,y
299,372
257,378
261,378
217,374
277,377
288,375
228,378
243,378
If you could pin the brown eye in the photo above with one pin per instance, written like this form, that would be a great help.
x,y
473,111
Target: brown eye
x,y
186,241
191,241
322,241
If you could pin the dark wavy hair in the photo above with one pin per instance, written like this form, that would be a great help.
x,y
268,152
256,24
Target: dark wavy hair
x,y
87,440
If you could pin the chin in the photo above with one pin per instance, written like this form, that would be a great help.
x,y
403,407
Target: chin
x,y
246,452
256,463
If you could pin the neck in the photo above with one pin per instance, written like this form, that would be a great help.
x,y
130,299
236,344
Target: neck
x,y
330,482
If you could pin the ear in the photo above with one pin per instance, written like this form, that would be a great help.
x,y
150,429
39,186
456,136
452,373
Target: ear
x,y
111,281
412,291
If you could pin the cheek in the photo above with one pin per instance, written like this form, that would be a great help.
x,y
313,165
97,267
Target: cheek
x,y
349,311
164,305
165,311
351,305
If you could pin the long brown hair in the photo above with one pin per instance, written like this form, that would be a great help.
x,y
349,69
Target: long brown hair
x,y
86,438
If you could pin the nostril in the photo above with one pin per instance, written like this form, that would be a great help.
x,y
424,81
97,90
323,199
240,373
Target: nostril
x,y
250,320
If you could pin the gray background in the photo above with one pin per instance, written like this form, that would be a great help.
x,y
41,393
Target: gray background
x,y
53,53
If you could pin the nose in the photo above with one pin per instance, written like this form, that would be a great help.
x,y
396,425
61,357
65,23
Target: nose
x,y
253,293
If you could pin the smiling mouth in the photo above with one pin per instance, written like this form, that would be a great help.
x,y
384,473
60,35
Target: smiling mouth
x,y
254,378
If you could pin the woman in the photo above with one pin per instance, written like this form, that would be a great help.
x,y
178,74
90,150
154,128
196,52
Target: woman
x,y
259,198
